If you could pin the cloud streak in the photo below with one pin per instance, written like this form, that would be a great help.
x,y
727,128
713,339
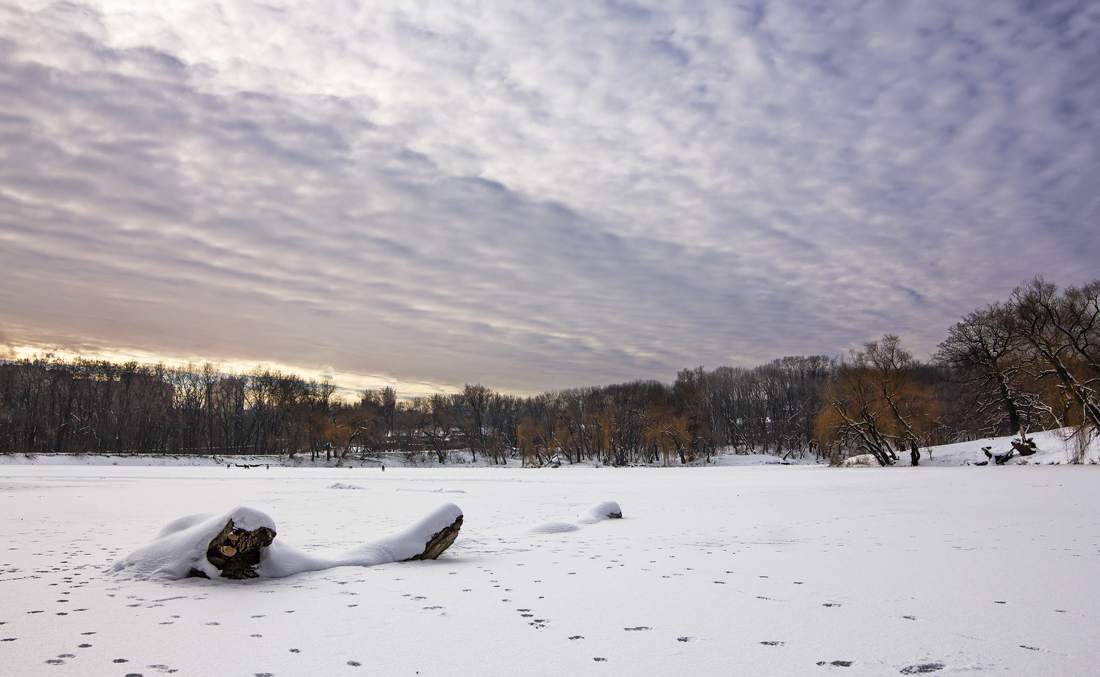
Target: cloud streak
x,y
535,196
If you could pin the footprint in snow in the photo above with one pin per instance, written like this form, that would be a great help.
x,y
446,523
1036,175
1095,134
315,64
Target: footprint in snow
x,y
922,668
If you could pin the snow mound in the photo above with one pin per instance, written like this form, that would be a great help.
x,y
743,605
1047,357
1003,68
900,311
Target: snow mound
x,y
343,485
181,546
592,514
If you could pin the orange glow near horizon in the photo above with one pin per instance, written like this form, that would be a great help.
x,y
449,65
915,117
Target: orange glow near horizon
x,y
348,384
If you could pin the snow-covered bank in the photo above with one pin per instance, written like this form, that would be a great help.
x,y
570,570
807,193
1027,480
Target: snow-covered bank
x,y
1054,447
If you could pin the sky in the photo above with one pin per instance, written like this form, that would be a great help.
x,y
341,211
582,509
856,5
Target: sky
x,y
534,195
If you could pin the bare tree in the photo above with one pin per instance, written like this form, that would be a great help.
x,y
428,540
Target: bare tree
x,y
986,354
875,406
1063,333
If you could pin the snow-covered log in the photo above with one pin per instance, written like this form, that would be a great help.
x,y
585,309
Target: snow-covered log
x,y
241,544
591,515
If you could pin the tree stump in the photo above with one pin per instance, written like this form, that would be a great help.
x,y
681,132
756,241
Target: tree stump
x,y
236,552
439,541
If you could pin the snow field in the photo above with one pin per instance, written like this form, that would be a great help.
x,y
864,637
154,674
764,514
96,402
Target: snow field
x,y
742,570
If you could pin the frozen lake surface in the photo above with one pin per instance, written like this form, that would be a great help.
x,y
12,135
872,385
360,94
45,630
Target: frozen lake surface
x,y
769,570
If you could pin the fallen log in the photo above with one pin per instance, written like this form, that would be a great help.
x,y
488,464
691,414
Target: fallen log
x,y
439,541
236,552
242,544
1024,447
999,459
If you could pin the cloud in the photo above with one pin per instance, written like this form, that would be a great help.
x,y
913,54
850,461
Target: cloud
x,y
537,196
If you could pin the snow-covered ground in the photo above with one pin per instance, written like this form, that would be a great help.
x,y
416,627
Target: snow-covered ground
x,y
770,570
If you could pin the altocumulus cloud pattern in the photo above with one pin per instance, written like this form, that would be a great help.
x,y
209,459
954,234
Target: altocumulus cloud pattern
x,y
535,194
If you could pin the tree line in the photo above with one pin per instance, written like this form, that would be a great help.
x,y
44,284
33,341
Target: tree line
x,y
1029,363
